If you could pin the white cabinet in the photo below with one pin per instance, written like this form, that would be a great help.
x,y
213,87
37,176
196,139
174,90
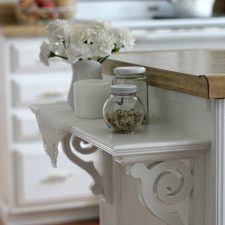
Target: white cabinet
x,y
179,38
25,127
28,181
30,89
39,183
24,58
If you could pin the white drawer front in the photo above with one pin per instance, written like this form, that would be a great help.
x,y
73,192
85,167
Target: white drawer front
x,y
24,57
25,127
39,183
37,89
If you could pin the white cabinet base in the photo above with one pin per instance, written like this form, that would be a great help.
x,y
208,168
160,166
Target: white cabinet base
x,y
14,217
31,191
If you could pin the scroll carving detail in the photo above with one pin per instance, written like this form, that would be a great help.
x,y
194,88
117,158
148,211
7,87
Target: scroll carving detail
x,y
72,143
169,182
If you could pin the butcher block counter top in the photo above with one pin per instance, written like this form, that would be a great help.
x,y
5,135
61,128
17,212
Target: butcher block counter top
x,y
194,72
23,30
9,26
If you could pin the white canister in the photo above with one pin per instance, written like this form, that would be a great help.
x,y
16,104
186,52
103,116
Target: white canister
x,y
89,98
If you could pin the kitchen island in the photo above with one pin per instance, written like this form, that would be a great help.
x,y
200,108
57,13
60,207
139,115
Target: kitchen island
x,y
186,94
194,72
178,159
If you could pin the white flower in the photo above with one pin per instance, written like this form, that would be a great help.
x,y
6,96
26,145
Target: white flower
x,y
98,37
58,48
124,38
72,55
96,40
98,26
60,31
44,53
102,44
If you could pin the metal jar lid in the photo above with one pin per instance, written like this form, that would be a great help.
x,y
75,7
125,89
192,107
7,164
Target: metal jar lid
x,y
123,89
129,70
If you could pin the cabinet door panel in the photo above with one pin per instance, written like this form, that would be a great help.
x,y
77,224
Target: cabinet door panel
x,y
24,58
36,89
25,127
39,183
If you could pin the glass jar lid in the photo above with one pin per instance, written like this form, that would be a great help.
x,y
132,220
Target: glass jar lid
x,y
123,89
129,70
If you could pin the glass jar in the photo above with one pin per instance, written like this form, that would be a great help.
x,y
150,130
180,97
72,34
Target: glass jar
x,y
134,75
123,111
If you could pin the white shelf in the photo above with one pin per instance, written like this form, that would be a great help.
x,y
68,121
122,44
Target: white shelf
x,y
177,23
148,142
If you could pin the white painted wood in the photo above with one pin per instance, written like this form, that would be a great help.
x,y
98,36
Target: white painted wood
x,y
197,214
23,80
46,216
180,110
155,138
25,127
97,186
110,210
168,39
125,207
197,115
156,142
140,10
107,163
150,189
166,183
43,184
218,158
82,146
174,109
29,89
24,58
6,124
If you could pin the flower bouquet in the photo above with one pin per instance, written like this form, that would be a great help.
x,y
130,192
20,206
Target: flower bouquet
x,y
85,47
96,40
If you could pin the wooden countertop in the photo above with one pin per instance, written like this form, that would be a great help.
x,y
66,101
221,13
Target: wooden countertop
x,y
23,30
9,26
194,72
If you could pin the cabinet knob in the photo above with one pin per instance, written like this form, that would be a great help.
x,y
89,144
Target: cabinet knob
x,y
57,176
51,94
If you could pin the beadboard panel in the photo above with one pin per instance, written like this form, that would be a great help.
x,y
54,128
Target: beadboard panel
x,y
184,111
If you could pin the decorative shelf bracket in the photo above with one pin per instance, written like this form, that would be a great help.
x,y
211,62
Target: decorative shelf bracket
x,y
162,185
72,143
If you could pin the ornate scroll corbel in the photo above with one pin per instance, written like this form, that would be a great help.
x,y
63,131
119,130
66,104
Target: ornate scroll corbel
x,y
163,184
72,143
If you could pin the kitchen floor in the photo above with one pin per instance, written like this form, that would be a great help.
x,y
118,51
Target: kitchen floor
x,y
92,222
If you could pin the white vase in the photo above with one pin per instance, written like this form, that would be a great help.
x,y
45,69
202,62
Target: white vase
x,y
83,69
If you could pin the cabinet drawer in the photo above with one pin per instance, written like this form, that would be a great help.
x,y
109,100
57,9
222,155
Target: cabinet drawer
x,y
24,58
35,89
39,183
25,127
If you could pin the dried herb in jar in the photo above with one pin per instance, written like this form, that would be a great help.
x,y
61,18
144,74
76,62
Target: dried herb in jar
x,y
124,121
123,111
